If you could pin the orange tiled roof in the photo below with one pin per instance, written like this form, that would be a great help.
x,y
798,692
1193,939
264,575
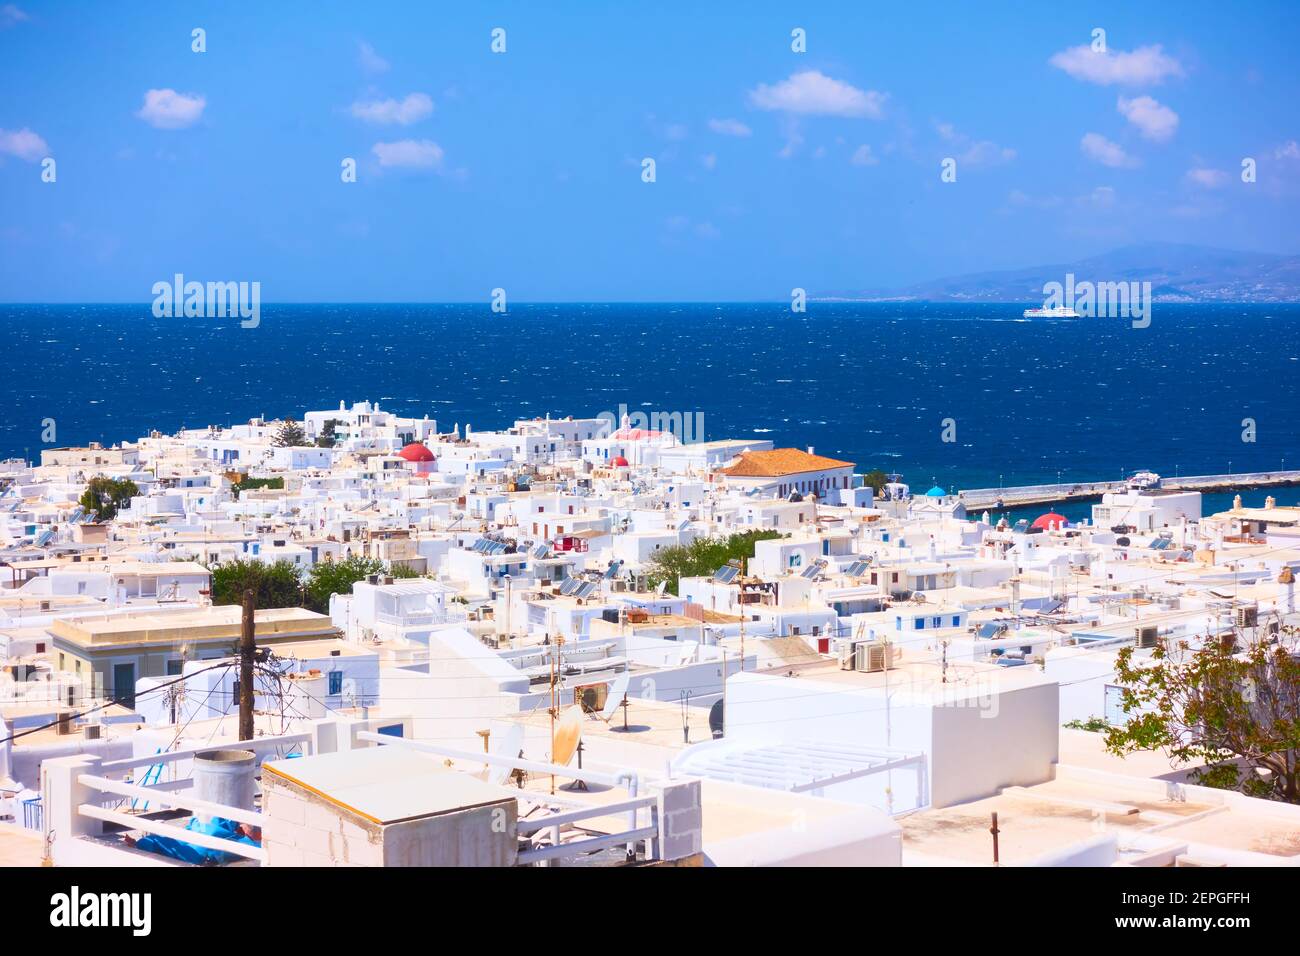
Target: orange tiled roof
x,y
780,462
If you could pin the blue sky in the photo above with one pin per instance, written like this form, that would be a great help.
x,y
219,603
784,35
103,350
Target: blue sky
x,y
522,170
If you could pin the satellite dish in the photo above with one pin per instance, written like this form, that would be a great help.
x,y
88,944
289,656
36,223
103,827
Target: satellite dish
x,y
509,743
716,719
568,732
614,699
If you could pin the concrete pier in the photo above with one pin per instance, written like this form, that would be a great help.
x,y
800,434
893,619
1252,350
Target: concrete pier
x,y
1013,497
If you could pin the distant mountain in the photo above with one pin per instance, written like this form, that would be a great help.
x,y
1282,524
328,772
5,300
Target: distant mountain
x,y
1177,273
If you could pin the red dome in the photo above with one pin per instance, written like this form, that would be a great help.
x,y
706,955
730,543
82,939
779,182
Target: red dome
x,y
416,452
1050,521
619,462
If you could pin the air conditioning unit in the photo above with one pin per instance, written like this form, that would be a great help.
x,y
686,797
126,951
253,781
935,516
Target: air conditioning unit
x,y
591,697
1147,636
872,657
93,731
1247,616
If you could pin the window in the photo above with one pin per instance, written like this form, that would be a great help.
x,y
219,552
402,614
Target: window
x,y
920,624
336,682
956,621
936,622
174,667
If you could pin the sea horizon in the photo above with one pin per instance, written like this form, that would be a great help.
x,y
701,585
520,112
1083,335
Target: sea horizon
x,y
838,393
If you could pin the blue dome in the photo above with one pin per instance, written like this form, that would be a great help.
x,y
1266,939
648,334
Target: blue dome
x,y
936,492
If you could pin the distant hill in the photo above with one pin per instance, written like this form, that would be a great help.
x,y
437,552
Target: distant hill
x,y
1177,273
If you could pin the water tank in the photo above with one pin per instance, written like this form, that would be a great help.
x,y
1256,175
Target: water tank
x,y
225,777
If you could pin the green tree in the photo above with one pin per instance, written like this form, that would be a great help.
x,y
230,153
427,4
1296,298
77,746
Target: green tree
x,y
273,585
1234,714
703,556
250,483
107,495
875,480
403,571
326,438
337,577
289,434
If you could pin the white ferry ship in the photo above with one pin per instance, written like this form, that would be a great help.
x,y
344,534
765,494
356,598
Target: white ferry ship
x,y
1056,312
1144,481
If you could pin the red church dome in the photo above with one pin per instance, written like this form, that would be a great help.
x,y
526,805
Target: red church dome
x,y
416,452
619,462
1050,521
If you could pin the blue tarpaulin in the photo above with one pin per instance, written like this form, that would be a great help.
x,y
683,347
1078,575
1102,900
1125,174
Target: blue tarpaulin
x,y
180,850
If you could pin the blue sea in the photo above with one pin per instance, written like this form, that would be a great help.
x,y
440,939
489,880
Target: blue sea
x,y
871,383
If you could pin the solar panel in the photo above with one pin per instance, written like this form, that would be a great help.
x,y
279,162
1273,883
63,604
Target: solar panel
x,y
813,570
726,574
540,551
858,568
612,570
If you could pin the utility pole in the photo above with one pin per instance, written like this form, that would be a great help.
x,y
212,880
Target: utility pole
x,y
246,652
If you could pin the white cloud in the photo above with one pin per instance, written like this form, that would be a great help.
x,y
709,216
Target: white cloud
x,y
1098,147
707,230
167,109
11,15
862,156
985,153
1145,65
371,61
730,127
24,144
1102,196
981,153
792,135
1289,150
1208,178
409,154
415,107
813,92
1156,122
709,161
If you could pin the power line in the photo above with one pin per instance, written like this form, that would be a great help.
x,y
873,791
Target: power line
x,y
107,704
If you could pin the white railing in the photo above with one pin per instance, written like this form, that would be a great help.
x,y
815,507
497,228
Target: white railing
x,y
98,784
555,821
258,745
